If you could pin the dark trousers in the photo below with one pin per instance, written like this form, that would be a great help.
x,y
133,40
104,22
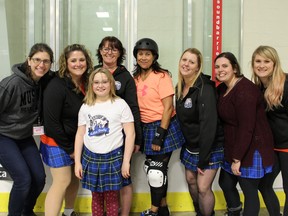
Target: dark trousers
x,y
281,165
249,187
22,160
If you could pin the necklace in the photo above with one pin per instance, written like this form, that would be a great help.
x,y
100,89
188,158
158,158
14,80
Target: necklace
x,y
229,89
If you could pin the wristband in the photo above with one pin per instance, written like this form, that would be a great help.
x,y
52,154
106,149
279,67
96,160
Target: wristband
x,y
159,136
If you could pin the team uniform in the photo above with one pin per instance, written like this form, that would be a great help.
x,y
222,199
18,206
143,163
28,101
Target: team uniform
x,y
126,89
204,136
248,139
150,92
61,104
278,120
103,144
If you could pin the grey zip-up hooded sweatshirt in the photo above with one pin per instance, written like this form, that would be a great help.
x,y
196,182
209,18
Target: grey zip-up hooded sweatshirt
x,y
19,104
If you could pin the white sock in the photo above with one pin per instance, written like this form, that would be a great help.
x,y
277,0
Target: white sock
x,y
68,211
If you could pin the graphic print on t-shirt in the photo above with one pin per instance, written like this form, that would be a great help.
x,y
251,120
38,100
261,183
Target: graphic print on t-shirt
x,y
98,125
144,90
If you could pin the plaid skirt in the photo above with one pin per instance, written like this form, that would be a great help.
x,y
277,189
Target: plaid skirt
x,y
173,140
255,171
54,156
190,160
102,172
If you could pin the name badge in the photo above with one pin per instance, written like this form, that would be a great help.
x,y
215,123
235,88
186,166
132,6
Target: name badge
x,y
38,130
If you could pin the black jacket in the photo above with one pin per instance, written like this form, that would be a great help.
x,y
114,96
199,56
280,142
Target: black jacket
x,y
126,89
61,104
278,120
198,118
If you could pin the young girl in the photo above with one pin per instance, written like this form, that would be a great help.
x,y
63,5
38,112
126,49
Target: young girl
x,y
101,121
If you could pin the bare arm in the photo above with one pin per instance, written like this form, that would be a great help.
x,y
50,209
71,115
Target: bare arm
x,y
129,131
79,142
166,117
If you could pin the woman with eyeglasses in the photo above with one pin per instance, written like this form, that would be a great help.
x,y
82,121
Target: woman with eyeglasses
x,y
111,54
62,100
20,99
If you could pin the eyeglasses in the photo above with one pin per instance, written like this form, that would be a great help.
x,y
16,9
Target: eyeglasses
x,y
107,49
104,82
38,61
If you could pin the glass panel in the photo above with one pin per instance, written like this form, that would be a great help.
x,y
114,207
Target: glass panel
x,y
4,46
13,27
232,27
162,22
22,26
202,28
79,22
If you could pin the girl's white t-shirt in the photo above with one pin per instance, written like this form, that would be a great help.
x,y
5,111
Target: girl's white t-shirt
x,y
103,121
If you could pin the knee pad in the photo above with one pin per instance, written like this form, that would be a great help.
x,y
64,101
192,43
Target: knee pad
x,y
156,173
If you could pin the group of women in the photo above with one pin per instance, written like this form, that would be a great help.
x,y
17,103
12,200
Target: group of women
x,y
94,117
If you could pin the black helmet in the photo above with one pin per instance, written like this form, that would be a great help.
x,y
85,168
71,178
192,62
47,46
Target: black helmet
x,y
148,44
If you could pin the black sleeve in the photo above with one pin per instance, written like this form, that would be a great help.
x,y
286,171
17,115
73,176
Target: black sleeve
x,y
53,101
130,97
208,123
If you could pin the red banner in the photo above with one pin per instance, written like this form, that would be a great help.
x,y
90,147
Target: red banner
x,y
217,32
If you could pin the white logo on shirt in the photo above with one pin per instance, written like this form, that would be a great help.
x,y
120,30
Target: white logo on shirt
x,y
117,85
188,103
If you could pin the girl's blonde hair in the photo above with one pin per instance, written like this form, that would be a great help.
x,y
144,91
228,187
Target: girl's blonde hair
x,y
180,83
90,98
275,88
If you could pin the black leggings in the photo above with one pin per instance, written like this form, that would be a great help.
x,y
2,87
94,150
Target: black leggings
x,y
228,183
249,187
266,188
251,200
157,193
281,164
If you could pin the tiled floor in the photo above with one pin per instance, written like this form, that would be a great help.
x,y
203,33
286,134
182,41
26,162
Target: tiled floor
x,y
263,212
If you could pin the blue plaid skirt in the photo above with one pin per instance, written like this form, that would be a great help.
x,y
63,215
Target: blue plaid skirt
x,y
255,171
102,172
54,156
190,160
173,140
127,181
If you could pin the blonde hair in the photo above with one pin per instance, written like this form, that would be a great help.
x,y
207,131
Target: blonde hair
x,y
275,88
180,77
90,98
